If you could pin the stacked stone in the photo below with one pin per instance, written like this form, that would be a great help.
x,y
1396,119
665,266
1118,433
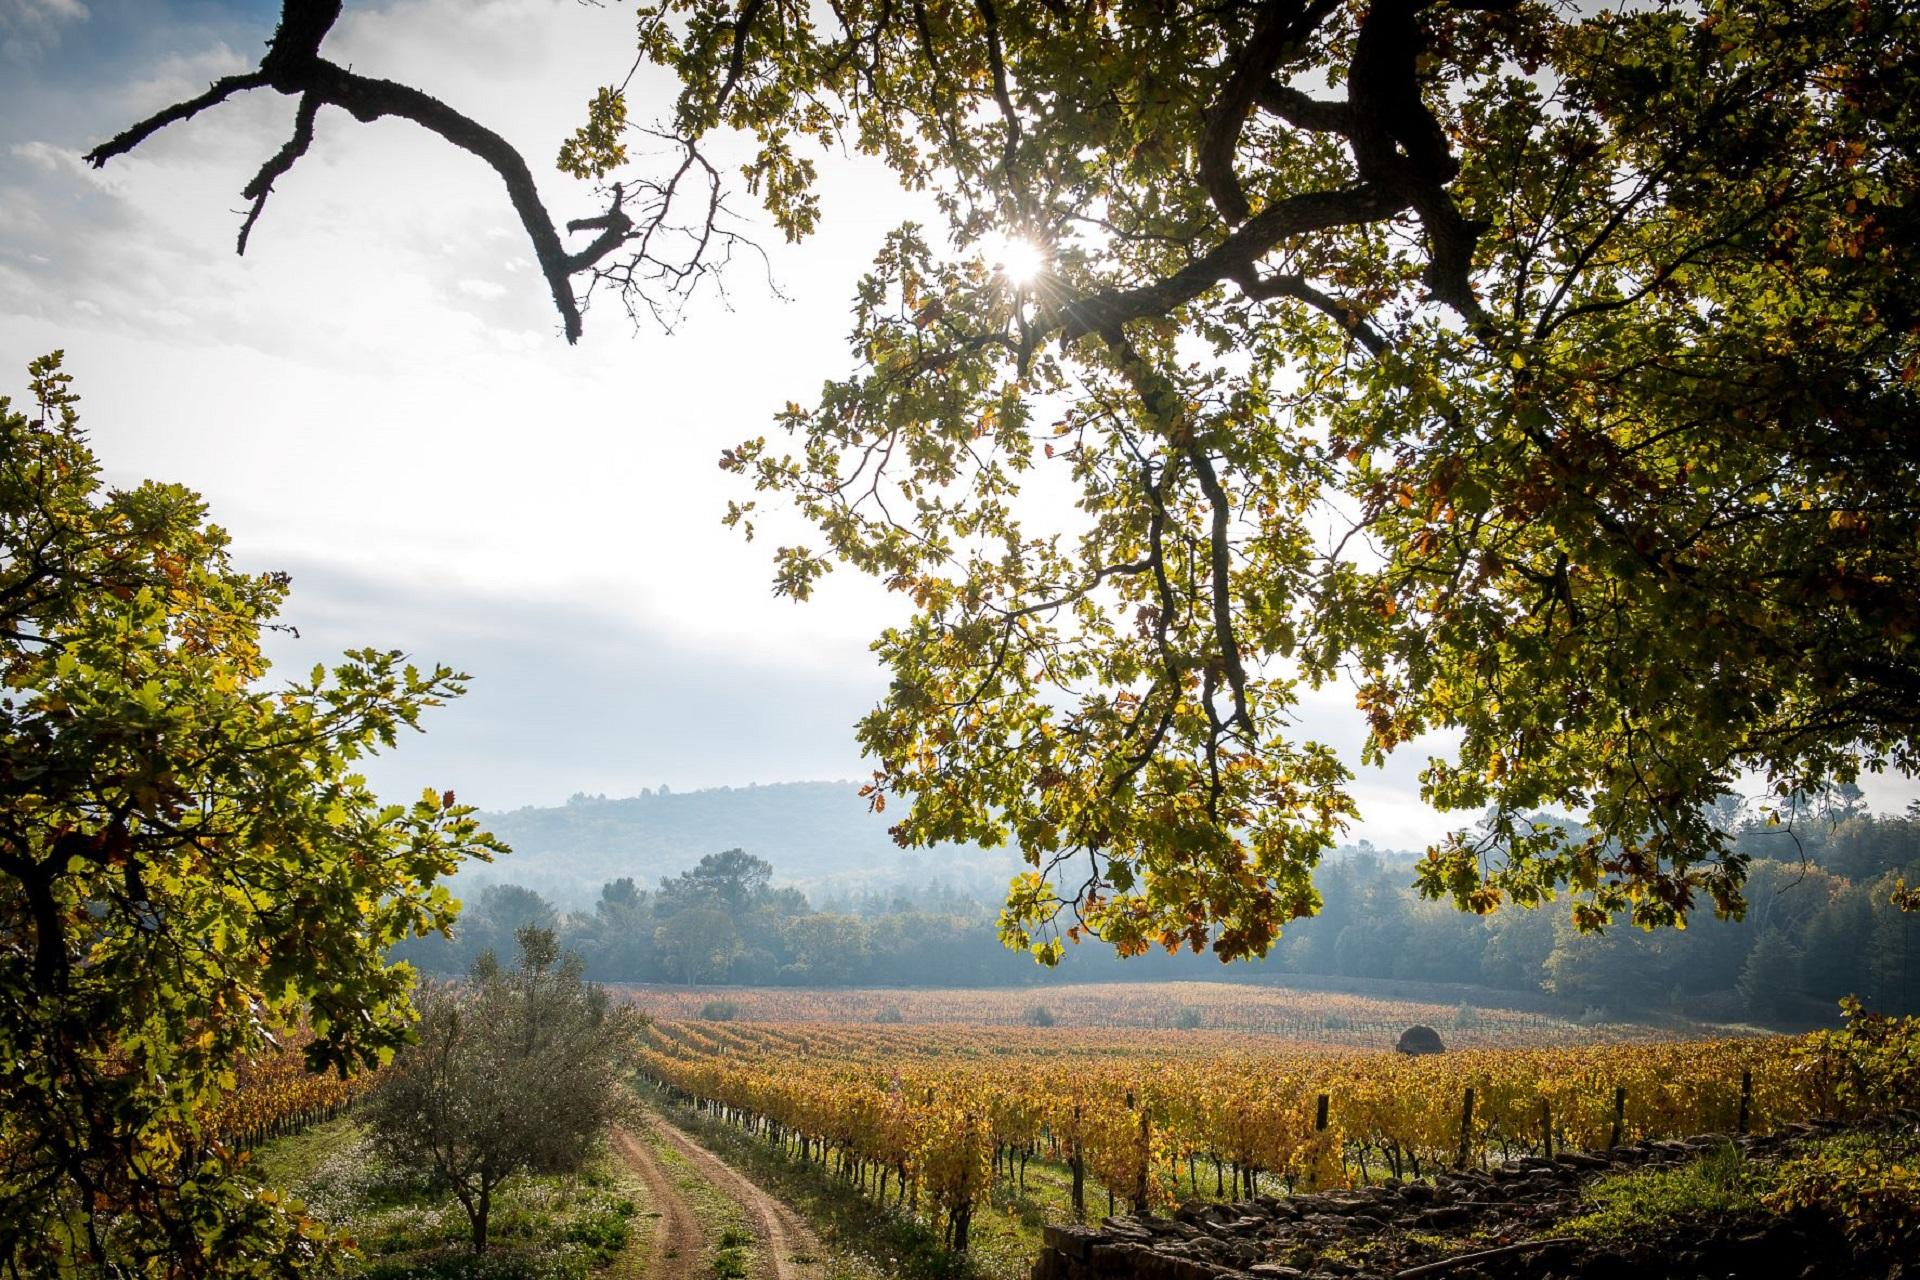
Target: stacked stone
x,y
1465,1224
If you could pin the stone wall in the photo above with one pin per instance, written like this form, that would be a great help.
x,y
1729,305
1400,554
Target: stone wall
x,y
1472,1224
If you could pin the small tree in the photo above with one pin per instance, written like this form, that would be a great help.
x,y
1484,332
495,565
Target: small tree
x,y
518,1071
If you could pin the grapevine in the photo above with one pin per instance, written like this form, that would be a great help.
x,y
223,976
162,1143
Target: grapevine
x,y
931,1115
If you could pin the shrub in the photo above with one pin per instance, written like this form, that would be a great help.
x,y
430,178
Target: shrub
x,y
1038,1016
1870,1067
890,1014
1874,1199
1188,1018
730,1263
719,1011
516,1072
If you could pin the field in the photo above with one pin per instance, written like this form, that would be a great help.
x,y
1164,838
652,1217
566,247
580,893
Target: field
x,y
1308,1017
862,1136
1145,1096
940,1109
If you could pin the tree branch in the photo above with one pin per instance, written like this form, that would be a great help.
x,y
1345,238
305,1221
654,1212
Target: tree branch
x,y
1303,111
1220,563
1278,29
262,185
1399,145
1252,241
222,89
1349,316
1010,152
294,66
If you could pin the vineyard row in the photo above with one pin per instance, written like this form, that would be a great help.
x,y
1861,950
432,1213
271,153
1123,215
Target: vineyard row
x,y
937,1130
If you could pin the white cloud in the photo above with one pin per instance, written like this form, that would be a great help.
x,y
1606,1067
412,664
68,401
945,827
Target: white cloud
x,y
569,697
47,13
29,29
174,76
49,159
486,290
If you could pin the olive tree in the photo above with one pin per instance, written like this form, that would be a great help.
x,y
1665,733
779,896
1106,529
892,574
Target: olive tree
x,y
517,1070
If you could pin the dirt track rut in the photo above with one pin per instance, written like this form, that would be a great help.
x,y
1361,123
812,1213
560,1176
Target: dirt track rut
x,y
789,1249
679,1241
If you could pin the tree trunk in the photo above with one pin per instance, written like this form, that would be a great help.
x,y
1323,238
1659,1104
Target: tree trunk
x,y
483,1206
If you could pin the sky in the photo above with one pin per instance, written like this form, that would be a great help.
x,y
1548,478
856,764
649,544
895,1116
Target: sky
x,y
377,400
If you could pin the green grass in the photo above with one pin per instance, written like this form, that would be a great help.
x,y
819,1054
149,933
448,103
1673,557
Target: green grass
x,y
293,1160
1863,1180
541,1228
1719,1184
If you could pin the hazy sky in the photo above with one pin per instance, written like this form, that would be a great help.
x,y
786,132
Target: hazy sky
x,y
376,398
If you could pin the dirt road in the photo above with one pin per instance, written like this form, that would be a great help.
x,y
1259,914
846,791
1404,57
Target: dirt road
x,y
788,1248
679,1241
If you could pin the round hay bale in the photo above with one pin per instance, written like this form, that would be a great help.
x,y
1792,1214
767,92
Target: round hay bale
x,y
1420,1039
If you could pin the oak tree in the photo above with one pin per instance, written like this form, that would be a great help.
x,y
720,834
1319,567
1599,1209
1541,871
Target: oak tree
x,y
1544,376
191,870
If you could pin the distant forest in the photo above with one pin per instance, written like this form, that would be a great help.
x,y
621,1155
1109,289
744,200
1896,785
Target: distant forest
x,y
1819,927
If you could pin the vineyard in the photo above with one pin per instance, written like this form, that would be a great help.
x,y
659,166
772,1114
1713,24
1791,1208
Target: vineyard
x,y
1307,1016
932,1116
274,1095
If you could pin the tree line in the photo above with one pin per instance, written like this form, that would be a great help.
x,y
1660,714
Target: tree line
x,y
1820,925
724,921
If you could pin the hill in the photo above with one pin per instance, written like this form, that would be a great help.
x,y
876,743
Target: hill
x,y
819,837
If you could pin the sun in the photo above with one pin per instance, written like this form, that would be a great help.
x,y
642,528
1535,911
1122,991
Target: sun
x,y
1019,261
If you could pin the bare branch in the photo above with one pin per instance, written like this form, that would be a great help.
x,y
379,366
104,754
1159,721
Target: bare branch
x,y
294,66
222,89
614,226
262,185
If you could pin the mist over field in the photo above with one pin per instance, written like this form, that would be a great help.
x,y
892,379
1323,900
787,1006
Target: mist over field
x,y
800,885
